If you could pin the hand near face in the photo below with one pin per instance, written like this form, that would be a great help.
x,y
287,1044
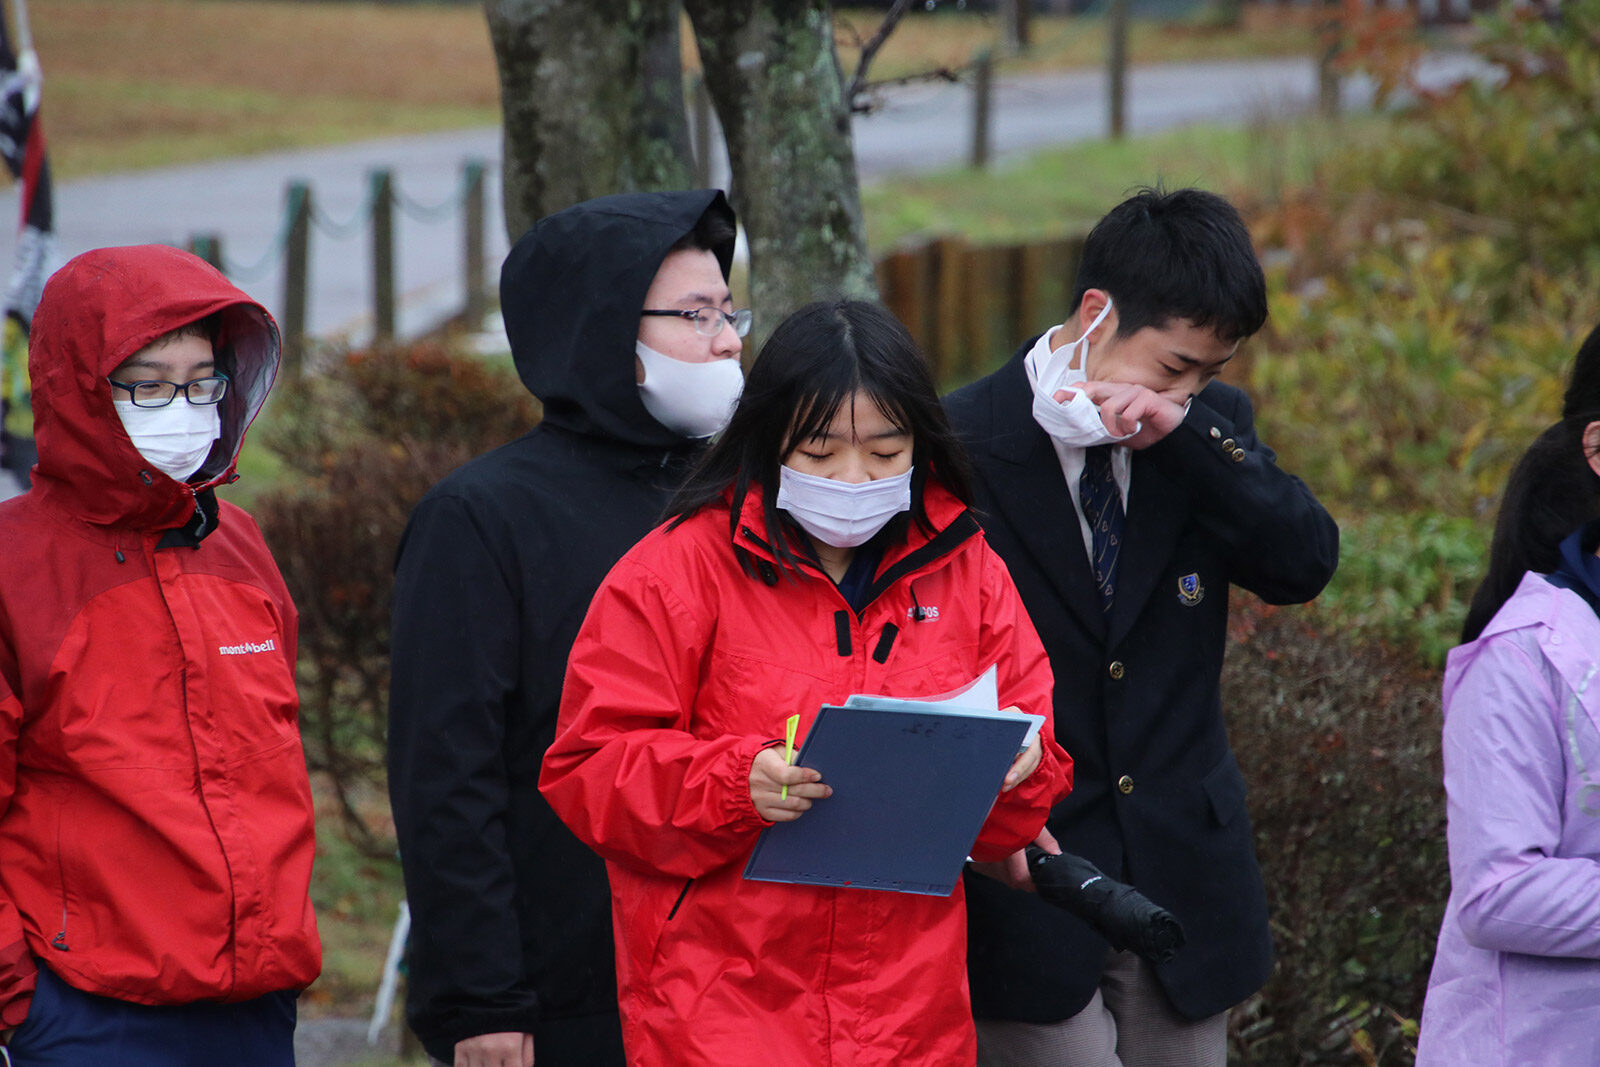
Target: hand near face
x,y
1125,408
768,776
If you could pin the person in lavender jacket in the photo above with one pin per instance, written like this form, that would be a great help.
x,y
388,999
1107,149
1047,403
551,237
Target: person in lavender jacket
x,y
1516,980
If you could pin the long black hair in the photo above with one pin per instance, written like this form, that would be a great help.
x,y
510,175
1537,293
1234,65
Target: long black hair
x,y
1552,491
816,360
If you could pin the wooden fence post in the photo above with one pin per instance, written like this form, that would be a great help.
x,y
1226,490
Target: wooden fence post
x,y
296,277
1117,66
473,244
382,194
1330,32
208,246
982,96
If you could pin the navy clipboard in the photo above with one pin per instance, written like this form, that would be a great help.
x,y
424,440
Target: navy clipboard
x,y
912,785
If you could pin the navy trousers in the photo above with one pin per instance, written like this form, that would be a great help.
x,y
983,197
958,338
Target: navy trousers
x,y
66,1027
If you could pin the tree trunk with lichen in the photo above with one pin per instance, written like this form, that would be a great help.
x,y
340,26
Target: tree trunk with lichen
x,y
592,97
773,73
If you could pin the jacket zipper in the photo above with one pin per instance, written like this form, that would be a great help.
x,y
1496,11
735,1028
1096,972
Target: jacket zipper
x,y
205,802
681,894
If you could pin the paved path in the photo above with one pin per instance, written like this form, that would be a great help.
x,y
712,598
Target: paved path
x,y
920,127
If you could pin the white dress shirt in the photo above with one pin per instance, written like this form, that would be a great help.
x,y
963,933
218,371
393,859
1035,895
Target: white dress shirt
x,y
1071,457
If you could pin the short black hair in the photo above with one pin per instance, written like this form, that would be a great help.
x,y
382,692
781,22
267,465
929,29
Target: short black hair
x,y
205,328
713,231
1184,254
816,360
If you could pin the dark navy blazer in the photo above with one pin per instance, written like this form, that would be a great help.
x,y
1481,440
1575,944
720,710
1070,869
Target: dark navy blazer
x,y
1158,798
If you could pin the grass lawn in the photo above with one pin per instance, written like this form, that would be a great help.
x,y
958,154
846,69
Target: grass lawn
x,y
1064,191
142,83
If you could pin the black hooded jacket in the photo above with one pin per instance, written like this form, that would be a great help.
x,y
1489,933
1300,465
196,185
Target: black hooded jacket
x,y
511,914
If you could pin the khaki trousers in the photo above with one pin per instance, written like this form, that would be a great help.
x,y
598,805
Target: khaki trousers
x,y
1129,1023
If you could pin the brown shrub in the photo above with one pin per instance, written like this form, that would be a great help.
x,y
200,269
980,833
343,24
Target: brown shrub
x,y
1339,739
362,444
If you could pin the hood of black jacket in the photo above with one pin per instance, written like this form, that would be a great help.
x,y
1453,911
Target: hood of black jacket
x,y
571,291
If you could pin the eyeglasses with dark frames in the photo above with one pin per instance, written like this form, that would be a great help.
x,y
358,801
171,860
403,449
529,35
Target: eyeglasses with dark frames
x,y
709,321
200,392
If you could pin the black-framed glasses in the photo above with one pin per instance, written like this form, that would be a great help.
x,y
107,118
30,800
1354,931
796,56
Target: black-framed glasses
x,y
708,322
155,394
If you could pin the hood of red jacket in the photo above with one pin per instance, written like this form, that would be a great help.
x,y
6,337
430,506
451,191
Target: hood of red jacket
x,y
98,310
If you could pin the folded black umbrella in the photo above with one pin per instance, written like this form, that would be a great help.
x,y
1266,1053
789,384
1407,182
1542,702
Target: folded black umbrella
x,y
1117,911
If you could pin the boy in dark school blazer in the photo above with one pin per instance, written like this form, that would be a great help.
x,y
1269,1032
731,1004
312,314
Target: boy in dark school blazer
x,y
1126,490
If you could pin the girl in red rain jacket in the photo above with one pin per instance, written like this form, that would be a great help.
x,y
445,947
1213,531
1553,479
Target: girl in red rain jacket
x,y
822,548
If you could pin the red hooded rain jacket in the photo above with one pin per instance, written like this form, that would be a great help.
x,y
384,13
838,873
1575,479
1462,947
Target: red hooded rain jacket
x,y
685,668
155,815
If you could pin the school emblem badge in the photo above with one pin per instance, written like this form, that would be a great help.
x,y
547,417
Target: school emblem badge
x,y
1190,591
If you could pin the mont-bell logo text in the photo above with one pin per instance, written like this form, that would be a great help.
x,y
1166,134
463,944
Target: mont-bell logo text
x,y
248,648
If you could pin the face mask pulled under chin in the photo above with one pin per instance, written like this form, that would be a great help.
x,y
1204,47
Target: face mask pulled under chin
x,y
692,399
1077,421
842,514
174,439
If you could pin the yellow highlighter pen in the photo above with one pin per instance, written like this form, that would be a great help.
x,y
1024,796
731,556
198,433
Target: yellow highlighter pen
x,y
788,748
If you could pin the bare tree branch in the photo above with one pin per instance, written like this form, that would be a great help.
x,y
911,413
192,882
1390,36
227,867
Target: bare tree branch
x,y
869,51
859,106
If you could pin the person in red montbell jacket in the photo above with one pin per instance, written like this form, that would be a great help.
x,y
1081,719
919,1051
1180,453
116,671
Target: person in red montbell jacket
x,y
156,830
822,547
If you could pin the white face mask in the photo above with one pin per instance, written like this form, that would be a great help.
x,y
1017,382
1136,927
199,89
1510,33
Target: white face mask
x,y
175,439
692,399
1076,422
842,514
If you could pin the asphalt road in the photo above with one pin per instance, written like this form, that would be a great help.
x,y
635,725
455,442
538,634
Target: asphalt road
x,y
918,127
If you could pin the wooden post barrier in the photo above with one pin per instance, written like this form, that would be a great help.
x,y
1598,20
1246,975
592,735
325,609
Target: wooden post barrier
x,y
473,245
948,304
1060,268
1022,289
979,279
383,306
296,278
905,293
968,306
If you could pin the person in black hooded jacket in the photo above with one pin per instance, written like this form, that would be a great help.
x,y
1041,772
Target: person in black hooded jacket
x,y
622,324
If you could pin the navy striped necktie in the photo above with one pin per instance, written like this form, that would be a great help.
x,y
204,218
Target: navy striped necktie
x,y
1102,506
